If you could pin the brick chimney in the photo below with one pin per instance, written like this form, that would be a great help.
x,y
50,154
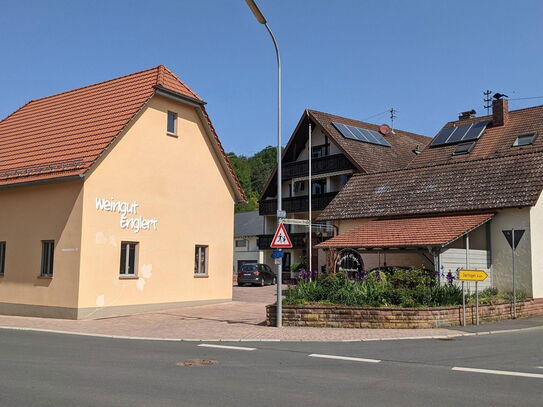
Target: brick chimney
x,y
500,112
467,115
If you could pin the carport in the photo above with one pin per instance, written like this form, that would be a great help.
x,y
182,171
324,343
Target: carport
x,y
409,239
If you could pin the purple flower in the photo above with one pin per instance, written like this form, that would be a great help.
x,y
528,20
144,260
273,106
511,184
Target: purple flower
x,y
450,277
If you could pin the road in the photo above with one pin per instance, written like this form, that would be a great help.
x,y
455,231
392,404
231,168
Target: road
x,y
45,369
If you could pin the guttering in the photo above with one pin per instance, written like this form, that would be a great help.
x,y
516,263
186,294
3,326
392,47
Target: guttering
x,y
45,181
161,90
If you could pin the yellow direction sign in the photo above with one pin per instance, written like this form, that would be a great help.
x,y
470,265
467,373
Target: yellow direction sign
x,y
472,275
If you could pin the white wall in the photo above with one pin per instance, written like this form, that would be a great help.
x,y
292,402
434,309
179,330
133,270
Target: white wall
x,y
502,254
249,252
318,139
536,237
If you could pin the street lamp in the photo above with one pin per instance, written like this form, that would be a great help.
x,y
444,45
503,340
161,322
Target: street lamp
x,y
280,214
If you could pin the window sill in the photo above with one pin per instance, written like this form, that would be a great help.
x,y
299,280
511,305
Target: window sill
x,y
201,275
46,277
128,277
172,134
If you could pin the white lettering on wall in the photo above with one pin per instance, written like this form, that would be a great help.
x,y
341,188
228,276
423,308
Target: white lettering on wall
x,y
135,223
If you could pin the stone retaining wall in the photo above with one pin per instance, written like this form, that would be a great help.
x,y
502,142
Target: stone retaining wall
x,y
338,316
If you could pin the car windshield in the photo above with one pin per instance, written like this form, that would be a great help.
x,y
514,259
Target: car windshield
x,y
248,267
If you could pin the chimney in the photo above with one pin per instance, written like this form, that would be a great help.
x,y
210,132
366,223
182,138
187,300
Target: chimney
x,y
467,115
500,112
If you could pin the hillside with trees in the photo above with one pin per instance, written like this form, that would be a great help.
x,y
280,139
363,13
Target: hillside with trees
x,y
253,172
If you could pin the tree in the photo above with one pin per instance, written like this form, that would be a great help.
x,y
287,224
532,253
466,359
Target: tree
x,y
253,173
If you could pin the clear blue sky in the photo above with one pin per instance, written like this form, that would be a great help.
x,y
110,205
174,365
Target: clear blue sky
x,y
427,59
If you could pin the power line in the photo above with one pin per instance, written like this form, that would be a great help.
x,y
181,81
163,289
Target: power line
x,y
531,97
375,115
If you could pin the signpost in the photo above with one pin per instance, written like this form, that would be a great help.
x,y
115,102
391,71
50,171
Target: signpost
x,y
471,275
513,238
304,222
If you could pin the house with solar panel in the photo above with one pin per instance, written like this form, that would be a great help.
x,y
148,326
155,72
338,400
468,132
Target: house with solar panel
x,y
110,197
340,148
454,206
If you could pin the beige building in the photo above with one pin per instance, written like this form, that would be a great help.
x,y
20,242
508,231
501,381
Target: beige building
x,y
114,198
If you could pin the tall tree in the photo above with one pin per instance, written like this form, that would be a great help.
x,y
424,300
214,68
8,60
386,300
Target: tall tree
x,y
253,173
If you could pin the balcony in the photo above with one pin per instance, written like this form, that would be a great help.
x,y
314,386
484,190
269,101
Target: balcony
x,y
297,203
322,165
299,240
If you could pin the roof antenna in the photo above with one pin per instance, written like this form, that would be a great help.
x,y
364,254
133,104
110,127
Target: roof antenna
x,y
487,101
392,117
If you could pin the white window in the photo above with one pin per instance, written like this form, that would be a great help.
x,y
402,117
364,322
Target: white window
x,y
129,259
172,123
241,243
47,254
2,257
200,260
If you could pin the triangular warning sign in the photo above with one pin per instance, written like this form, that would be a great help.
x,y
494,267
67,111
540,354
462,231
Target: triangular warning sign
x,y
281,238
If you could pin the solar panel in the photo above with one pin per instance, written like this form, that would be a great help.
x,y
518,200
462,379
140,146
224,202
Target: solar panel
x,y
360,134
457,134
443,135
475,131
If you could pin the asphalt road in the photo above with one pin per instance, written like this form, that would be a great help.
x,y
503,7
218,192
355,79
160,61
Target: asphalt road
x,y
43,369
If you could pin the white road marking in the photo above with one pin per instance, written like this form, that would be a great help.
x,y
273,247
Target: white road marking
x,y
318,355
207,345
498,372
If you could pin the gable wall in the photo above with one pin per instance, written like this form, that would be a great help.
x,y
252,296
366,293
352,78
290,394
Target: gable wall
x,y
178,181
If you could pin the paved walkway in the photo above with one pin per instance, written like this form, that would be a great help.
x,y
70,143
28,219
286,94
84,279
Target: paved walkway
x,y
241,319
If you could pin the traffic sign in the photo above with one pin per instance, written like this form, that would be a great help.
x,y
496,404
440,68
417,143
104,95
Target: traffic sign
x,y
277,254
281,238
472,275
513,236
304,222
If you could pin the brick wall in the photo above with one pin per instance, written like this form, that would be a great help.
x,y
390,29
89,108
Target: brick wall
x,y
367,317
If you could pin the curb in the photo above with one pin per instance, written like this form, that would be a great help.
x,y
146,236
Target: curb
x,y
143,338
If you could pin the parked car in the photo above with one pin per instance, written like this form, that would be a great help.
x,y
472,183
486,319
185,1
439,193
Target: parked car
x,y
256,274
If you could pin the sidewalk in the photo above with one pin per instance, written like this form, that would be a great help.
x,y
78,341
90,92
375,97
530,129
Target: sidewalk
x,y
241,319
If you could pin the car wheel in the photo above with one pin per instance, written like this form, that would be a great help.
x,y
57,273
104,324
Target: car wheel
x,y
274,281
263,282
240,284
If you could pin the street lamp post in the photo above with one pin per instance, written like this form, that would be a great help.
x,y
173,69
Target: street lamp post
x,y
280,214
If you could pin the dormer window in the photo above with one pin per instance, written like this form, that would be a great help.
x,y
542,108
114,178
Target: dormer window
x,y
524,140
464,148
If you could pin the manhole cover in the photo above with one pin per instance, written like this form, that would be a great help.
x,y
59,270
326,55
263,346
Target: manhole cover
x,y
197,362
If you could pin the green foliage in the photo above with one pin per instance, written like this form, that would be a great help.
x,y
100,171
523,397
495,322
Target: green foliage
x,y
405,288
253,173
491,296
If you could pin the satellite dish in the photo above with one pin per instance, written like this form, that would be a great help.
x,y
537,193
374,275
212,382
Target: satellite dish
x,y
384,129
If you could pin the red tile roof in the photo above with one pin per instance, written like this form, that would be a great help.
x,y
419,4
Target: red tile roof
x,y
63,135
408,232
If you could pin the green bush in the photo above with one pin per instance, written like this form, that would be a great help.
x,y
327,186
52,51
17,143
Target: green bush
x,y
491,296
405,288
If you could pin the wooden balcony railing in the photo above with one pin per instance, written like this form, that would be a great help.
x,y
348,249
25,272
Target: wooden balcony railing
x,y
322,165
297,203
